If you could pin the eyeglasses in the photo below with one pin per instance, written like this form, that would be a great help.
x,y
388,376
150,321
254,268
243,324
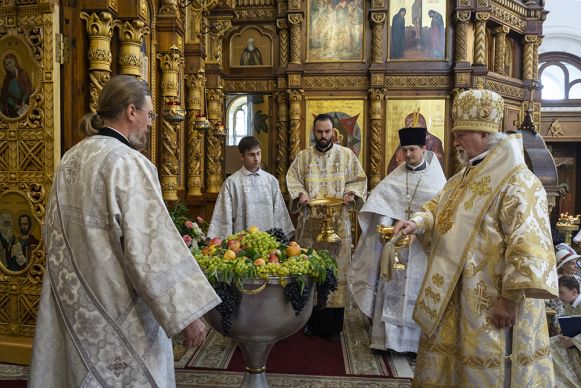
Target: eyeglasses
x,y
150,113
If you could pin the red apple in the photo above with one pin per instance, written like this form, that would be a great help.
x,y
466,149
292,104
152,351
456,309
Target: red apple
x,y
215,241
234,245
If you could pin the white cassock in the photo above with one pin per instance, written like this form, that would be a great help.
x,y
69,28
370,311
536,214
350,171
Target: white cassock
x,y
119,280
247,199
390,303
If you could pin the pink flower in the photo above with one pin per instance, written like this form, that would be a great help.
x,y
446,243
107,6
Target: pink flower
x,y
189,224
187,239
199,220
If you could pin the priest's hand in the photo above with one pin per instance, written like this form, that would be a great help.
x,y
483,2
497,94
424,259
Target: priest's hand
x,y
304,198
194,334
504,313
566,342
406,227
348,197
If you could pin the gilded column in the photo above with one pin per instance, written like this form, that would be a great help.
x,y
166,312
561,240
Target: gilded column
x,y
131,36
462,20
296,98
376,97
195,84
170,65
218,27
377,20
282,25
500,49
480,38
529,56
282,139
100,31
536,58
295,21
216,142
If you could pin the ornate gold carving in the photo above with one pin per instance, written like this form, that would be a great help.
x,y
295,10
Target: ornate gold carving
x,y
294,80
195,84
465,3
295,44
249,86
131,35
536,58
462,19
480,38
377,3
100,31
282,139
483,3
555,129
282,25
218,27
513,20
377,79
169,7
376,97
505,89
528,56
500,49
296,98
215,142
255,14
377,19
294,5
414,82
336,82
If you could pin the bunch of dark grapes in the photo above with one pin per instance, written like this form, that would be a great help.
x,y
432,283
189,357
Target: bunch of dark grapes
x,y
298,300
279,235
230,300
325,288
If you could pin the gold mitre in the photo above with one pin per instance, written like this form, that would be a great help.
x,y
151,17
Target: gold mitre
x,y
478,110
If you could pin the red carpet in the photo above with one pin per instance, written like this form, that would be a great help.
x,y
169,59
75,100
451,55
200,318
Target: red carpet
x,y
300,354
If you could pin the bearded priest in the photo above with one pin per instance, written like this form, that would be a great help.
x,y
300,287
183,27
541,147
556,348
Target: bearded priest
x,y
491,262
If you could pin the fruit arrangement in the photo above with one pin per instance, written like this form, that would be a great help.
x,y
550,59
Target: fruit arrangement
x,y
257,254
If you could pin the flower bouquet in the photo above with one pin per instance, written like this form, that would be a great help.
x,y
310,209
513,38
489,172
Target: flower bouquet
x,y
192,232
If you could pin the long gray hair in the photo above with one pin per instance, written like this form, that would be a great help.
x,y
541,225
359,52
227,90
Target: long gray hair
x,y
118,93
495,138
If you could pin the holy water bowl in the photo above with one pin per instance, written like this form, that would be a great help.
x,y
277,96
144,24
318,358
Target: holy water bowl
x,y
264,317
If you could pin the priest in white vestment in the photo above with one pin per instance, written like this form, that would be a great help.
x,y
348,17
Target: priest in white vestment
x,y
250,197
390,303
119,280
490,264
327,170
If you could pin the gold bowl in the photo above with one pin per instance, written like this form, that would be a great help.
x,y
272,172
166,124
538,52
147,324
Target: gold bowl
x,y
325,209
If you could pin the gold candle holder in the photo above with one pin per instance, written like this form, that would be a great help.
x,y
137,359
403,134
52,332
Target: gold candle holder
x,y
567,224
325,209
399,241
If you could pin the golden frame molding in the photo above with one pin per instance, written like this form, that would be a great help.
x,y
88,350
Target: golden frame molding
x,y
417,82
336,82
249,86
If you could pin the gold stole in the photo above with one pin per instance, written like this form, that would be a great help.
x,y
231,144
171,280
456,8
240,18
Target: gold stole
x,y
473,189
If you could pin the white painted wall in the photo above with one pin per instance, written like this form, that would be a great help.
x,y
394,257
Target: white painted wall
x,y
562,29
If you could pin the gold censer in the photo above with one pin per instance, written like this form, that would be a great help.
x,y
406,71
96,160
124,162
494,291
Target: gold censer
x,y
399,241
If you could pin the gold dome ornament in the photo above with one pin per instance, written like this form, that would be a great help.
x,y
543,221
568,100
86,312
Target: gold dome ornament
x,y
478,110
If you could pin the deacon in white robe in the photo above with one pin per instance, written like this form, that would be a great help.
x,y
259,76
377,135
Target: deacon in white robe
x,y
390,303
327,170
250,197
119,281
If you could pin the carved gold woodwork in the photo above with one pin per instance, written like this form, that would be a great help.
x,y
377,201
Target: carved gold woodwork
x,y
376,112
506,14
505,89
377,20
296,99
131,36
536,58
249,86
500,49
100,31
215,161
282,25
462,20
480,38
415,82
196,84
528,56
170,64
218,28
336,82
282,127
255,14
295,21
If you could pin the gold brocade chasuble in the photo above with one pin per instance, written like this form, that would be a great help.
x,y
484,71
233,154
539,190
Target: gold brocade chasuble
x,y
489,236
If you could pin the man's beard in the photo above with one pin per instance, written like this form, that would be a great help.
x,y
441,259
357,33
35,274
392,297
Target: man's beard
x,y
322,143
138,140
6,233
462,157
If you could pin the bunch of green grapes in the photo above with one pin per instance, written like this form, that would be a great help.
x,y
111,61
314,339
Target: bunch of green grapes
x,y
259,242
296,266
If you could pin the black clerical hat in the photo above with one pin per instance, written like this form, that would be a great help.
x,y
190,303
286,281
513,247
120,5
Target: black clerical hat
x,y
412,136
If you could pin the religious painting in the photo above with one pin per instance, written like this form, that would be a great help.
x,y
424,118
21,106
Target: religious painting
x,y
417,30
404,112
251,48
20,232
348,119
335,30
20,77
